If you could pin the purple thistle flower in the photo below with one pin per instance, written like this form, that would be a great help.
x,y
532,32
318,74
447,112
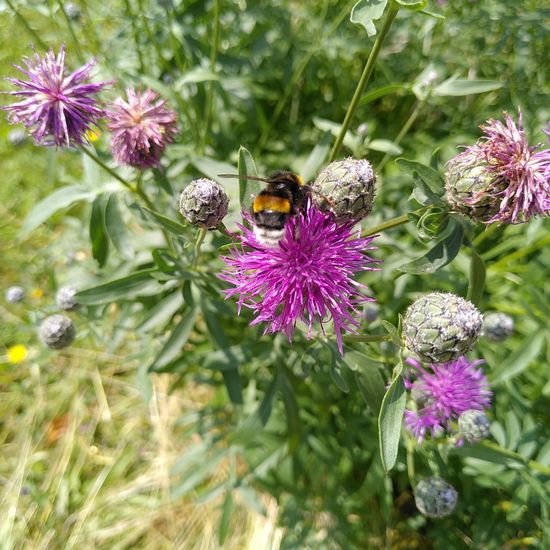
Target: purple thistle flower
x,y
56,107
141,128
520,182
443,393
308,277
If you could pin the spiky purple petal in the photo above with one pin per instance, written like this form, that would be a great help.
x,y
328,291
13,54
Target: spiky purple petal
x,y
57,108
308,277
141,128
444,391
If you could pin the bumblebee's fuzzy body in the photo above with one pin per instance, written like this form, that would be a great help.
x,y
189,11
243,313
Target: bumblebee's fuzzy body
x,y
284,196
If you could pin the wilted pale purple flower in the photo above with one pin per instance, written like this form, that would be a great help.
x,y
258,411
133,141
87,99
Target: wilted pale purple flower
x,y
141,128
56,107
515,182
308,277
443,392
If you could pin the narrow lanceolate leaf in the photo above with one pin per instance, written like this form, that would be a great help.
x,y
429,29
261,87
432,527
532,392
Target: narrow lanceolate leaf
x,y
460,87
98,234
316,158
171,225
432,178
227,510
477,278
247,188
62,198
116,229
174,345
390,421
441,254
365,12
123,288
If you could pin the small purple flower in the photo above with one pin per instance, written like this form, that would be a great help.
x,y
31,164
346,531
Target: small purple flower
x,y
141,128
308,277
443,392
56,107
518,172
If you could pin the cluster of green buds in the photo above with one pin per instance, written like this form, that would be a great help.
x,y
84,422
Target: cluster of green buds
x,y
204,203
57,331
497,326
474,425
346,188
440,327
435,498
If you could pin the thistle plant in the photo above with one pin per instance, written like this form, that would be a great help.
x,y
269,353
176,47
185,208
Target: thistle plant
x,y
203,203
435,498
57,331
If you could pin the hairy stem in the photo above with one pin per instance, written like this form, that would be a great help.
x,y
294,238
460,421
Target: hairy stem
x,y
394,222
200,238
365,77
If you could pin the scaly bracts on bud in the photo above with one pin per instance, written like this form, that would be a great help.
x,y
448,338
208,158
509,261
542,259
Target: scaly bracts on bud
x,y
204,203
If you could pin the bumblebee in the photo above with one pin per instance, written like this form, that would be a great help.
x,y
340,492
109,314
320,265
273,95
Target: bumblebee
x,y
285,195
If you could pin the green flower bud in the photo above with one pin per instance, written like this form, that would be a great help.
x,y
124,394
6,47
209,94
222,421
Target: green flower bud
x,y
497,327
204,203
57,331
435,498
474,425
65,299
441,327
15,294
473,190
345,188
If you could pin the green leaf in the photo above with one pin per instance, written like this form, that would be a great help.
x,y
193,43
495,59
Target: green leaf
x,y
516,362
383,91
390,420
338,379
161,313
247,188
413,5
439,255
61,198
384,146
477,278
492,453
98,235
173,346
124,288
316,158
371,385
432,178
460,87
171,225
116,229
227,510
365,12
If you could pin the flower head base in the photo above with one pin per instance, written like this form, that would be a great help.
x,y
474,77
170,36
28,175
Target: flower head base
x,y
442,393
141,128
15,294
57,331
497,326
440,327
345,188
65,299
204,203
434,497
501,178
474,425
56,107
308,277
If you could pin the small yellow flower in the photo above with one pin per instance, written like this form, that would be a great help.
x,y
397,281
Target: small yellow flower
x,y
93,135
17,354
37,293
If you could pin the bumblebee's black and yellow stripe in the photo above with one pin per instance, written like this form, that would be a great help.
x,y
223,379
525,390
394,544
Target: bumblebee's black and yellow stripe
x,y
284,196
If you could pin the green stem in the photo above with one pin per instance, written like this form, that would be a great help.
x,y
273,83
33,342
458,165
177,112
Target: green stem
x,y
150,37
406,127
394,222
367,338
200,238
135,32
210,90
71,30
365,77
28,28
107,168
410,462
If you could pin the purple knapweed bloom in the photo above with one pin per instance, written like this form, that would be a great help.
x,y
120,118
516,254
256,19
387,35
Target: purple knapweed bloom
x,y
58,108
307,277
517,173
443,392
141,128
